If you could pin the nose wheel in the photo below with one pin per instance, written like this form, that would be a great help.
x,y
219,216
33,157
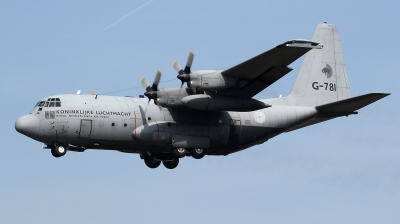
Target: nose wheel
x,y
58,150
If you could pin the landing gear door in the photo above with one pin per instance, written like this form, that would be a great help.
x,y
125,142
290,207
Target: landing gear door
x,y
86,128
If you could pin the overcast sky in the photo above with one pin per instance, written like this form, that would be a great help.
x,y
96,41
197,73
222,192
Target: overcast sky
x,y
342,171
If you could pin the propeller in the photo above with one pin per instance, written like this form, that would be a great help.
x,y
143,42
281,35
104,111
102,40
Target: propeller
x,y
184,74
151,92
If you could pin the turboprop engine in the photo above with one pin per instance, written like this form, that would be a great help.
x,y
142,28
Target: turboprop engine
x,y
193,97
171,97
203,80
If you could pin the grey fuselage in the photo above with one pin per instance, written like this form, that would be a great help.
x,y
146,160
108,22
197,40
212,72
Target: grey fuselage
x,y
135,125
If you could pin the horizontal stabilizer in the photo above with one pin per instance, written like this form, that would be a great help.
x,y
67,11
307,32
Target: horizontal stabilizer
x,y
349,106
341,108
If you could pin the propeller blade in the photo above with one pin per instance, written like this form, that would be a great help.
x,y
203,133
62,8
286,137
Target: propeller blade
x,y
189,63
177,67
179,93
156,81
144,82
193,89
145,110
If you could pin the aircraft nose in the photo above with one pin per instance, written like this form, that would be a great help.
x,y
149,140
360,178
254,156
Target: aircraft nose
x,y
28,125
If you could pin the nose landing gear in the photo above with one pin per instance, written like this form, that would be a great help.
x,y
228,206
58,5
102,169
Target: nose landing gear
x,y
58,150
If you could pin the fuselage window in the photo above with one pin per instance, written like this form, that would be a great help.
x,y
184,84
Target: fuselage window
x,y
58,104
51,104
49,115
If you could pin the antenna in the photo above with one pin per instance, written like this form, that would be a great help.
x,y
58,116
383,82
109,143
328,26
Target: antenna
x,y
78,92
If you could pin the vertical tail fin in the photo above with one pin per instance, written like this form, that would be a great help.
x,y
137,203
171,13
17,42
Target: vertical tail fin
x,y
322,77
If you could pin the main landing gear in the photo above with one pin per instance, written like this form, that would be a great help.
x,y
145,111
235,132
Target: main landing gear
x,y
153,162
197,153
171,161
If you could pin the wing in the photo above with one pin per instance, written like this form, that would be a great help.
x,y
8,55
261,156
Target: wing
x,y
259,72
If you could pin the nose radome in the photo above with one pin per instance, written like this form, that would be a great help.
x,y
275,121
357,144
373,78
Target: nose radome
x,y
28,125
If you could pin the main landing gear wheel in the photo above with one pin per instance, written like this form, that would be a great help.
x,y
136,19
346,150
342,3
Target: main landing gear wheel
x,y
172,163
152,162
197,153
58,150
179,152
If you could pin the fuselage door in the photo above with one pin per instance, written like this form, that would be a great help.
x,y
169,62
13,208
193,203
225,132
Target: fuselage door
x,y
86,129
235,130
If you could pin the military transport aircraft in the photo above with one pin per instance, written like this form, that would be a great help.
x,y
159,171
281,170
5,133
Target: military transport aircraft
x,y
214,115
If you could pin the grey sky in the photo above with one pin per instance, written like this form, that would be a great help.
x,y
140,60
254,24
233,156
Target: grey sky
x,y
342,171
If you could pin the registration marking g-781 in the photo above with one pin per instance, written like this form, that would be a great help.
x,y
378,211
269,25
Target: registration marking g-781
x,y
328,86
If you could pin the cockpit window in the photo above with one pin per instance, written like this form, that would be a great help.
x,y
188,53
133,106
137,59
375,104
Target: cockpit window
x,y
41,103
51,102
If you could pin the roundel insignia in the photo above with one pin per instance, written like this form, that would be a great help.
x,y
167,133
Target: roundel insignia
x,y
259,117
327,71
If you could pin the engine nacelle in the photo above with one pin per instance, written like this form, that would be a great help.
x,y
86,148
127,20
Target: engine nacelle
x,y
222,103
206,80
171,97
